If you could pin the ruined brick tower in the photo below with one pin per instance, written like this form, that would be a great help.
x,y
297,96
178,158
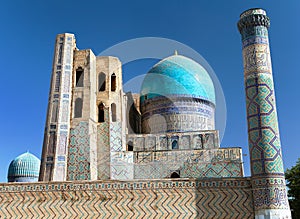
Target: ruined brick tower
x,y
57,130
95,131
85,90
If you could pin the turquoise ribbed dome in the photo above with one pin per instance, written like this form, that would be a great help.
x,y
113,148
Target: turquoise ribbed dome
x,y
178,75
25,165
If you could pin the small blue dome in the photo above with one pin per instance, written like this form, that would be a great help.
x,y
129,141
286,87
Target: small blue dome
x,y
178,75
25,167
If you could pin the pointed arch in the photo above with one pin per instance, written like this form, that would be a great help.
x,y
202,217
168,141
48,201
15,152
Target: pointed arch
x,y
101,81
78,108
79,77
54,111
130,146
113,82
49,170
175,175
52,143
113,112
174,144
101,113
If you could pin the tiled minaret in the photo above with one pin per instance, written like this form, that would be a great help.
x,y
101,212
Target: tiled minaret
x,y
269,191
55,146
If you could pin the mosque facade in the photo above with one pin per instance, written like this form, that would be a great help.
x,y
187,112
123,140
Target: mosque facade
x,y
95,131
156,153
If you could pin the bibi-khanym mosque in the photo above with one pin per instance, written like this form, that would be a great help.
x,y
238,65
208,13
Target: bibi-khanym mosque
x,y
111,154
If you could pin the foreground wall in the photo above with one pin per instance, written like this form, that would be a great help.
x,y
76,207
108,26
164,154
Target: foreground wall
x,y
169,198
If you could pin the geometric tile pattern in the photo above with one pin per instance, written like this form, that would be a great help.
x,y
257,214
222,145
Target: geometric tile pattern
x,y
79,153
264,142
103,147
225,162
122,165
215,169
115,136
217,198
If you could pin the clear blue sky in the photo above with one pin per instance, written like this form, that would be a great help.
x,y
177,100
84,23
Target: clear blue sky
x,y
28,30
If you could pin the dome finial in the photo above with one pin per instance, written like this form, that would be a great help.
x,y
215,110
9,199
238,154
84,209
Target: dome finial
x,y
175,52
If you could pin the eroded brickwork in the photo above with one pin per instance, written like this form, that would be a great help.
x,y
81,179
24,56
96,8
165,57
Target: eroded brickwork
x,y
214,198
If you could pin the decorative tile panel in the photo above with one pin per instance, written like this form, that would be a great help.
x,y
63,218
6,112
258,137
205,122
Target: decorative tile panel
x,y
115,136
79,153
226,162
103,145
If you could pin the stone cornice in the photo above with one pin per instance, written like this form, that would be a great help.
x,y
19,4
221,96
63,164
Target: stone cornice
x,y
221,183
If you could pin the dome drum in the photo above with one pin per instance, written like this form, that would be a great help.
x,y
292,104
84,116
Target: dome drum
x,y
179,114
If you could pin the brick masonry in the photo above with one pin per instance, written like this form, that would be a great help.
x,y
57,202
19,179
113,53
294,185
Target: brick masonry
x,y
182,198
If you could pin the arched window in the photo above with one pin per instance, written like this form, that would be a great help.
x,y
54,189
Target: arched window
x,y
49,169
54,111
101,81
174,144
101,112
113,112
57,81
175,175
130,146
79,77
52,142
60,53
113,82
78,108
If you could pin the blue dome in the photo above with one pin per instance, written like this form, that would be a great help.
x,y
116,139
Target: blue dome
x,y
178,76
24,166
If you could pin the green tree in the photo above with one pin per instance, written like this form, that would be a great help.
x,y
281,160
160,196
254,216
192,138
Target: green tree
x,y
293,177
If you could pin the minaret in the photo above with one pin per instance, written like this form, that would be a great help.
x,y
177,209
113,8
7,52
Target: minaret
x,y
268,182
56,137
